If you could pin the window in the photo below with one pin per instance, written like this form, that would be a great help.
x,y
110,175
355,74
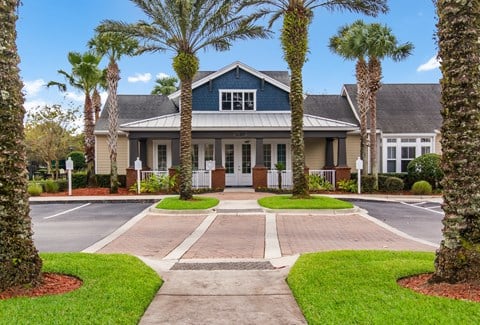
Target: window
x,y
237,100
208,154
195,157
282,154
246,158
162,157
267,155
229,159
391,159
398,152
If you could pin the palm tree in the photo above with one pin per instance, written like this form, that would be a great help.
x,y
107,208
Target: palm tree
x,y
381,43
186,27
297,16
113,45
20,263
85,76
165,86
349,43
458,258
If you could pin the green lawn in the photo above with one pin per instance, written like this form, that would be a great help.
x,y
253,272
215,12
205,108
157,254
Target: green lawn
x,y
116,289
359,287
197,203
315,202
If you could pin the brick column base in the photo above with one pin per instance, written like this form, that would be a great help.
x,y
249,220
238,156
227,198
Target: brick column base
x,y
218,178
260,177
131,177
342,173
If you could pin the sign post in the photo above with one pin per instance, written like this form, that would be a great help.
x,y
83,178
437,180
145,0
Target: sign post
x,y
138,168
359,165
69,167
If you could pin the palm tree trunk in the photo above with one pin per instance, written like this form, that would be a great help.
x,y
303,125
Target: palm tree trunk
x,y
375,77
89,140
185,186
113,76
362,103
458,259
20,263
295,45
97,104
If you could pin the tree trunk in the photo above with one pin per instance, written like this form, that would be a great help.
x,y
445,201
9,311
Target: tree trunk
x,y
20,263
295,45
375,77
89,140
113,76
362,103
97,104
458,258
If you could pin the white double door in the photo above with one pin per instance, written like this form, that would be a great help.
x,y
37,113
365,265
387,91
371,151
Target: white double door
x,y
238,159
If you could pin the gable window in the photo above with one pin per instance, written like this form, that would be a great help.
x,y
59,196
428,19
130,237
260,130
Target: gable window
x,y
237,100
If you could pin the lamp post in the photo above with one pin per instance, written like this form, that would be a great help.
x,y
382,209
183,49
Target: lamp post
x,y
138,168
359,165
69,167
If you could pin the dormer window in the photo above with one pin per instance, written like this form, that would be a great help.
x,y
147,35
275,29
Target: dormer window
x,y
238,100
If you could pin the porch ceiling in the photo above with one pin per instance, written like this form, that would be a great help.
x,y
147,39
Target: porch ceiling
x,y
244,121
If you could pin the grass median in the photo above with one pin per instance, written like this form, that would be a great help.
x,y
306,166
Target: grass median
x,y
116,289
359,287
196,203
314,202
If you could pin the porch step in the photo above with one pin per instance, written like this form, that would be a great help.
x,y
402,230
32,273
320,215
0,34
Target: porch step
x,y
239,190
252,210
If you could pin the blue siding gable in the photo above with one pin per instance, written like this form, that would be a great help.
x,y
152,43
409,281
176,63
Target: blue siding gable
x,y
269,97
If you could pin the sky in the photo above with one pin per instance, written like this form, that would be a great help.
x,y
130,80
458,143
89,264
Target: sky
x,y
48,29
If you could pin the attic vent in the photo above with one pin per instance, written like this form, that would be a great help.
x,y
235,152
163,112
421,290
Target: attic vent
x,y
237,73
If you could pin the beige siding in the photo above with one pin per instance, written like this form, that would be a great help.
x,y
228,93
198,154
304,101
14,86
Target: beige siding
x,y
315,153
438,145
103,155
353,150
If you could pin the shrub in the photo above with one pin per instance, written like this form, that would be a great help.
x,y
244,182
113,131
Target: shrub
x,y
427,168
347,185
422,188
51,186
103,180
393,184
368,184
62,185
155,184
35,189
79,180
318,183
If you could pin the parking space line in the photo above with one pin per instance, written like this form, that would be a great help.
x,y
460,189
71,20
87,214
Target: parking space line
x,y
431,209
66,211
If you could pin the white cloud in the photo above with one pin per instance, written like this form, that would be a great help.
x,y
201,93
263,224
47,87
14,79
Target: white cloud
x,y
145,77
75,96
32,88
432,64
31,105
104,96
162,75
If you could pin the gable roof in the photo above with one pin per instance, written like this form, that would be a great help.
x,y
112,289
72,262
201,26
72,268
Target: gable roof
x,y
333,107
238,121
279,79
404,108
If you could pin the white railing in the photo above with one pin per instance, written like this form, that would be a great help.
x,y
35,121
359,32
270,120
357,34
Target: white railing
x,y
272,179
200,178
287,179
328,175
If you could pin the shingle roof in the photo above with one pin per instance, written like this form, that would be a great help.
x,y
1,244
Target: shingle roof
x,y
406,108
334,107
237,121
137,107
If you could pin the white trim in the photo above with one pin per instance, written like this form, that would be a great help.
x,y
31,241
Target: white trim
x,y
350,103
230,67
398,145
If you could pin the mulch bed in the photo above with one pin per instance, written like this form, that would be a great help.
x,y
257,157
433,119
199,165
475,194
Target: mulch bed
x,y
460,291
52,284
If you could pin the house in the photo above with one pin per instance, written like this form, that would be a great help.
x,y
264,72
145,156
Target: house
x,y
241,129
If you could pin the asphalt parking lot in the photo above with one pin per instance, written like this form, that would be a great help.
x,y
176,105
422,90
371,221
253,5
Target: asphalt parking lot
x,y
72,227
